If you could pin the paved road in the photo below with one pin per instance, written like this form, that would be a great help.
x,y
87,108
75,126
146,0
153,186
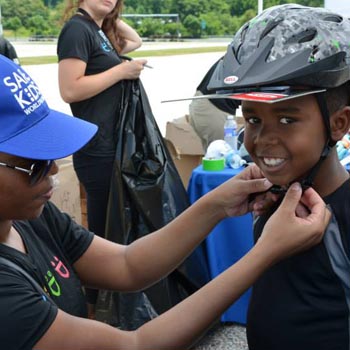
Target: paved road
x,y
33,49
172,77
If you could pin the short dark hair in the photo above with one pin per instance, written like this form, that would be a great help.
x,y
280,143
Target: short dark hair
x,y
338,97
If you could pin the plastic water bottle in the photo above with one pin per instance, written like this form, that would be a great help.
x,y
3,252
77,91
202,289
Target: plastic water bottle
x,y
230,132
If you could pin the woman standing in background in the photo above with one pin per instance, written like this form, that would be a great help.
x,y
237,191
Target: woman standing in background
x,y
91,74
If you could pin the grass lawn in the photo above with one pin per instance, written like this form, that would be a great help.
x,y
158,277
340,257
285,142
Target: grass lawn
x,y
145,53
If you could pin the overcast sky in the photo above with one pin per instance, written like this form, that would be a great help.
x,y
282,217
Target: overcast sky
x,y
340,6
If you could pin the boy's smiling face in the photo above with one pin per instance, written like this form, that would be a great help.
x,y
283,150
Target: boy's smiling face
x,y
285,139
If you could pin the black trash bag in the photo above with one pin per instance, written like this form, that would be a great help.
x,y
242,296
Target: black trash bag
x,y
146,193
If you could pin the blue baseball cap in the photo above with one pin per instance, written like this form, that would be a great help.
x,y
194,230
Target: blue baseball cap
x,y
28,127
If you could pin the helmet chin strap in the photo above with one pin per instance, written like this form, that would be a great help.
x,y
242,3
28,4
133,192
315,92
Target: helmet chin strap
x,y
308,180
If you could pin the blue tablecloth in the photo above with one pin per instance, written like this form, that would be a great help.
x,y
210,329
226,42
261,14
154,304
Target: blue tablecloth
x,y
229,240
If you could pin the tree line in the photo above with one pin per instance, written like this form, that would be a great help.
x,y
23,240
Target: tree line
x,y
189,18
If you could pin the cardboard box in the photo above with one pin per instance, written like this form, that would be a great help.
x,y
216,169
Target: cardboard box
x,y
67,194
184,146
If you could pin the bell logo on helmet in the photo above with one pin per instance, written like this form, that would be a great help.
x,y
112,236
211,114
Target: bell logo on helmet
x,y
230,79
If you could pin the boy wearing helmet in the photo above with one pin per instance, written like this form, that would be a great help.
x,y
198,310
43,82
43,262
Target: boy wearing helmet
x,y
289,67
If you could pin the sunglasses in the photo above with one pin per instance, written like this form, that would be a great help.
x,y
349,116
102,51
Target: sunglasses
x,y
37,170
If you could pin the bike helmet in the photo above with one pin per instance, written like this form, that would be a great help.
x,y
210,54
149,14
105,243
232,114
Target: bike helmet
x,y
290,45
284,51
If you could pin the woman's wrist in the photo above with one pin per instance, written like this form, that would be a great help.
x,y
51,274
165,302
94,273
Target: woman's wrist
x,y
118,72
213,206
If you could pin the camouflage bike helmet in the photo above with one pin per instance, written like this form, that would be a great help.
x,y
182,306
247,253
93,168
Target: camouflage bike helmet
x,y
288,44
286,49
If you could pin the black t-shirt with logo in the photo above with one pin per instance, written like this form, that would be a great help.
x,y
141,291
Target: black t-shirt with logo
x,y
81,38
303,302
53,243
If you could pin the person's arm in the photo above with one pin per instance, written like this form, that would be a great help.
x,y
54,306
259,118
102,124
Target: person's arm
x,y
181,326
75,86
131,39
108,265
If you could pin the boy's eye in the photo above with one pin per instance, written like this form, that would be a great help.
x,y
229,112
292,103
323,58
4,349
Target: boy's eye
x,y
252,120
286,120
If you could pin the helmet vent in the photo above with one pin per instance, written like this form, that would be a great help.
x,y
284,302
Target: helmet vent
x,y
244,32
270,26
303,37
333,18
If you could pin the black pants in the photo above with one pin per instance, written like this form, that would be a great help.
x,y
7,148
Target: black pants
x,y
95,175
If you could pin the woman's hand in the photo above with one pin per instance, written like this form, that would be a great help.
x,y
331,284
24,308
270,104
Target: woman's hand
x,y
263,202
76,86
235,195
287,233
131,70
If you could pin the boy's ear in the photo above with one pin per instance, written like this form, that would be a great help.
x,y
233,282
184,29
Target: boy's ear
x,y
340,123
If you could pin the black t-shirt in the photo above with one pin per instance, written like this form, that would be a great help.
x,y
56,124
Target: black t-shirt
x,y
302,303
53,243
7,49
81,38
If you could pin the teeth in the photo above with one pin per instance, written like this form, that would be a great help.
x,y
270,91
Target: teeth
x,y
273,161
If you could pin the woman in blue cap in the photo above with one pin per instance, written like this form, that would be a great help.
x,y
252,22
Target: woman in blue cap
x,y
46,258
